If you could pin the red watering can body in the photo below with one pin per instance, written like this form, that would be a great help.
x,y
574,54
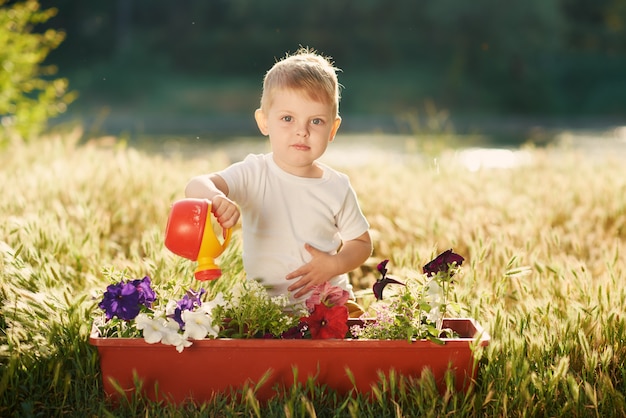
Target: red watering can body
x,y
190,234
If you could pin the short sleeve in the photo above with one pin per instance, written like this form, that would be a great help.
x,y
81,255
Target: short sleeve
x,y
350,220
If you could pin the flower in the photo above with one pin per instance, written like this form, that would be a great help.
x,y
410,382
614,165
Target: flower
x,y
190,301
198,325
130,308
328,315
124,299
155,329
161,330
146,295
327,294
442,263
418,310
327,322
295,333
177,340
381,283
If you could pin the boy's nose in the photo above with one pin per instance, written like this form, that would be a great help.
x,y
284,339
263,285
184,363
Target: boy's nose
x,y
303,130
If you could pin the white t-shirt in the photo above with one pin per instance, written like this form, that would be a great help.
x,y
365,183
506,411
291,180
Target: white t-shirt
x,y
281,212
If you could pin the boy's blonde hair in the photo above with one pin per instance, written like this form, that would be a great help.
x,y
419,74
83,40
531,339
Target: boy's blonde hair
x,y
307,71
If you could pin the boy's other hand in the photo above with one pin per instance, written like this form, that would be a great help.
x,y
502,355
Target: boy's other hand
x,y
320,269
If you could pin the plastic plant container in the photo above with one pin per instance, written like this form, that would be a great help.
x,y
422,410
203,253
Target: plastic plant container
x,y
221,365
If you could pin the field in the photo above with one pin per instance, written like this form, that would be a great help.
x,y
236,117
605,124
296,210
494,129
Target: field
x,y
545,273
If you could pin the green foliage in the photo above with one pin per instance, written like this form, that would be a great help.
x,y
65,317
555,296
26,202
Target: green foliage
x,y
249,312
28,94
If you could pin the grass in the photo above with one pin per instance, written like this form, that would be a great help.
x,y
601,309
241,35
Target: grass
x,y
544,275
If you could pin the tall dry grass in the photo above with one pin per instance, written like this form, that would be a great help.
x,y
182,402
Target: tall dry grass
x,y
544,274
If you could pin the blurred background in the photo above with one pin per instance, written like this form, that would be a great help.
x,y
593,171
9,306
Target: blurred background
x,y
515,70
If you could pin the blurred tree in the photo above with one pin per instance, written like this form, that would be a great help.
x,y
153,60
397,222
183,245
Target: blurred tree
x,y
28,96
595,54
596,26
522,56
498,47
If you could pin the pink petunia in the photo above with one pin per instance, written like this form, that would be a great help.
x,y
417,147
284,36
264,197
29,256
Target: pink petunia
x,y
328,295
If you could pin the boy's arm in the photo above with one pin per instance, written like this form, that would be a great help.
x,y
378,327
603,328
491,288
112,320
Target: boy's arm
x,y
324,266
214,188
353,253
206,187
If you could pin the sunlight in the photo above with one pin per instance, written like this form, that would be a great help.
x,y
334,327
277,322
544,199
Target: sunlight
x,y
475,159
620,133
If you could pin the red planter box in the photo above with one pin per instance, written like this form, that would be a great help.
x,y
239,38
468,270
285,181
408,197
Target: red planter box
x,y
212,366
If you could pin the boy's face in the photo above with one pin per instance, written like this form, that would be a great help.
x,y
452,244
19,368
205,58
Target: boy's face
x,y
299,130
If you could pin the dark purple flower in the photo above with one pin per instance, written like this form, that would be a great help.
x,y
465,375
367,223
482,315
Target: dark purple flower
x,y
295,333
121,300
380,284
382,267
442,263
146,295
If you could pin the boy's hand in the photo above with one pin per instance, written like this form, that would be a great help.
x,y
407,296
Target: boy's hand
x,y
324,267
320,269
225,211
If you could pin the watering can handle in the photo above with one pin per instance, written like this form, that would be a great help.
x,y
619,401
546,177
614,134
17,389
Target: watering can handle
x,y
227,232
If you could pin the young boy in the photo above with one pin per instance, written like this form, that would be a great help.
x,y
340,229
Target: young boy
x,y
302,225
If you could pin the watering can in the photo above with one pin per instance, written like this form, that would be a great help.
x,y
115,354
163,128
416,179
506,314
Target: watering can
x,y
190,234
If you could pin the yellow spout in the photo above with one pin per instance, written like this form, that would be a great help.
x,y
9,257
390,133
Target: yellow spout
x,y
210,249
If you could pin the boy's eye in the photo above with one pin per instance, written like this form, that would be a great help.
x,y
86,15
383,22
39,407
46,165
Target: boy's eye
x,y
317,121
287,118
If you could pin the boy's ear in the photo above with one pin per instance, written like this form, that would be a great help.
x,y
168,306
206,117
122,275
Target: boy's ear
x,y
335,128
261,121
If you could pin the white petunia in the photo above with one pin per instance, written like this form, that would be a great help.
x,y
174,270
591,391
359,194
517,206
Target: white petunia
x,y
153,329
171,335
170,308
435,291
210,305
198,325
178,340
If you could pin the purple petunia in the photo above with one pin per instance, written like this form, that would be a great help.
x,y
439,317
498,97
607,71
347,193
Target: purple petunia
x,y
146,295
121,300
125,299
189,302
